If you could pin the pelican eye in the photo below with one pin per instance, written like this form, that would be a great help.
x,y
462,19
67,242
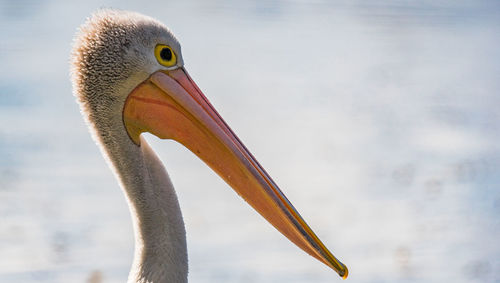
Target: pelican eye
x,y
165,55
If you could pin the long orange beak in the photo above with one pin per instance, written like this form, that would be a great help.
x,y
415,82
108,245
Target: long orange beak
x,y
170,105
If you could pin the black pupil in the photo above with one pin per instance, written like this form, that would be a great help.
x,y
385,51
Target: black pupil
x,y
166,54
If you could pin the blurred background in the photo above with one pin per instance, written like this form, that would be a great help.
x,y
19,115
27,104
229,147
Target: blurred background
x,y
380,121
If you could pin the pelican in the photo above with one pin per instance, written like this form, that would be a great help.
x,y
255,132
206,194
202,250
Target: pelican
x,y
128,77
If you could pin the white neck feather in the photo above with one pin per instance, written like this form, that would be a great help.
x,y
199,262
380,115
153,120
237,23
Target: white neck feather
x,y
160,237
111,56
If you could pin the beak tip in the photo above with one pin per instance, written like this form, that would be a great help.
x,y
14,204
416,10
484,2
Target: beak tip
x,y
346,273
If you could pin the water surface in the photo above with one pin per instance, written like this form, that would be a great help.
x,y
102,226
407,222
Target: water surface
x,y
379,121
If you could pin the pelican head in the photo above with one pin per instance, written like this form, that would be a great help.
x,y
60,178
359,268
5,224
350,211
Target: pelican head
x,y
128,76
112,54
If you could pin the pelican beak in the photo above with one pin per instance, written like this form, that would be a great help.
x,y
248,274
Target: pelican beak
x,y
170,105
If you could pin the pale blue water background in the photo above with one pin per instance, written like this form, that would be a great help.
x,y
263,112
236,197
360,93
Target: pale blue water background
x,y
380,121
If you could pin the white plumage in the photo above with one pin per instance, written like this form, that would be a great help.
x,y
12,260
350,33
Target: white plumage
x,y
104,71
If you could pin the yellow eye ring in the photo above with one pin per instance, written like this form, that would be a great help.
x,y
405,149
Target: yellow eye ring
x,y
165,55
